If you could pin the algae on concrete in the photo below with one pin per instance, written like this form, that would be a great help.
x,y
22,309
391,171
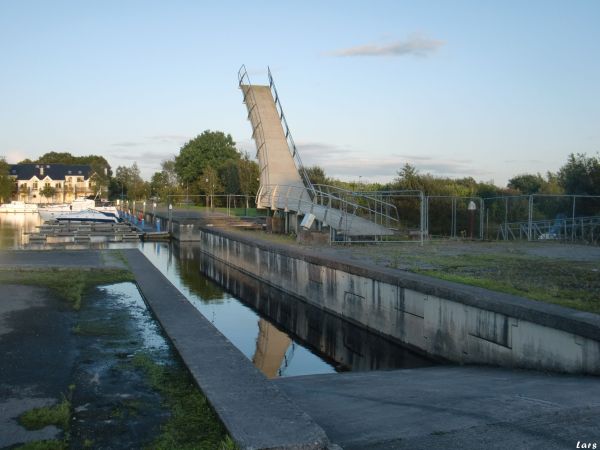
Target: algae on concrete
x,y
69,284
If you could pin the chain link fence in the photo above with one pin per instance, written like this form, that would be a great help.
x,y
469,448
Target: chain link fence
x,y
537,217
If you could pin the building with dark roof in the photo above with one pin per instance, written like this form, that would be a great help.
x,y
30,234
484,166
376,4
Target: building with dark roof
x,y
69,181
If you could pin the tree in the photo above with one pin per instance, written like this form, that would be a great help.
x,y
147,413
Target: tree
x,y
248,173
527,183
131,183
165,183
316,175
210,149
7,184
229,173
48,192
211,184
580,175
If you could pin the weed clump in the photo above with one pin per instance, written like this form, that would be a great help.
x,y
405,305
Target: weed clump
x,y
58,415
193,424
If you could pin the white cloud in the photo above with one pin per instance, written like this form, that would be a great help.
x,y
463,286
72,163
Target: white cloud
x,y
347,163
127,144
170,138
14,156
416,45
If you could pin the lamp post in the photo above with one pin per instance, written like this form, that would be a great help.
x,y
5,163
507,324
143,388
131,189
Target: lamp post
x,y
471,208
207,186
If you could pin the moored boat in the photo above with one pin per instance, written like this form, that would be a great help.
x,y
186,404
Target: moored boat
x,y
86,215
52,211
80,204
18,207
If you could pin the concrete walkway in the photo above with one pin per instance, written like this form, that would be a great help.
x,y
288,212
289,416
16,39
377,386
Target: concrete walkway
x,y
451,408
255,412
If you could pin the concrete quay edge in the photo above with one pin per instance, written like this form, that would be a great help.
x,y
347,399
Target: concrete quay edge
x,y
549,315
256,413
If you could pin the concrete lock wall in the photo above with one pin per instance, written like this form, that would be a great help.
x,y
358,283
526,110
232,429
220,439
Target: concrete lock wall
x,y
441,319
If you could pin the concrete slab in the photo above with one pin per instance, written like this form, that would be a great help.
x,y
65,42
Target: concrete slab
x,y
255,412
450,407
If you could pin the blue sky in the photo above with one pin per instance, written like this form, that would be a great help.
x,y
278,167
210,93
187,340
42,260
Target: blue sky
x,y
482,89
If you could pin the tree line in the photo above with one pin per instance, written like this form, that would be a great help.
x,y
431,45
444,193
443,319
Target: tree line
x,y
211,164
580,175
208,164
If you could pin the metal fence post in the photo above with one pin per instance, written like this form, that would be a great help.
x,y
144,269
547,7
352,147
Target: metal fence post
x,y
481,212
573,221
530,218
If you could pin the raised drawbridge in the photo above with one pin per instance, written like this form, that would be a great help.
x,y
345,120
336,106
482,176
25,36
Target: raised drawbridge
x,y
284,183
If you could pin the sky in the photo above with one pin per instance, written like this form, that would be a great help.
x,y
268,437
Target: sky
x,y
456,88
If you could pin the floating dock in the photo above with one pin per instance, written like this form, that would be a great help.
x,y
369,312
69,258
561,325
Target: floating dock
x,y
54,232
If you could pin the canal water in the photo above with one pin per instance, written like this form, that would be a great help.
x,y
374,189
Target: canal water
x,y
281,335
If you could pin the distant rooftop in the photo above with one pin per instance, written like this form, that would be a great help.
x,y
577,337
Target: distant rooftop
x,y
54,171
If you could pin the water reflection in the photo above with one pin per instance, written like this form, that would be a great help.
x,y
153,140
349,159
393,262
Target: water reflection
x,y
271,348
15,228
345,345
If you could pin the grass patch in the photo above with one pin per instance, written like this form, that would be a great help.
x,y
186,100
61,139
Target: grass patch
x,y
44,445
271,237
192,424
574,284
69,284
58,415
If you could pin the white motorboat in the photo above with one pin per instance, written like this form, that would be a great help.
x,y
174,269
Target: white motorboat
x,y
51,211
108,211
18,207
79,204
86,215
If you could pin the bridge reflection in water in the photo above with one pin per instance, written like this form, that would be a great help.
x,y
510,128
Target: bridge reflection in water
x,y
282,335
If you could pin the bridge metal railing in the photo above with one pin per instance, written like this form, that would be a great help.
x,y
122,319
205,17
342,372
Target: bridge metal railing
x,y
341,209
363,204
288,136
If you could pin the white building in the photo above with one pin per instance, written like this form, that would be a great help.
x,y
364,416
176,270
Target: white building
x,y
68,182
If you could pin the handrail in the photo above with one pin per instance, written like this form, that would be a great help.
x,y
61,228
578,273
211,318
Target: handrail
x,y
275,194
288,135
361,194
243,75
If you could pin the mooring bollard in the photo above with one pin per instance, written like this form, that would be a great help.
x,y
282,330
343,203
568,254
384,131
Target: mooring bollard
x,y
157,224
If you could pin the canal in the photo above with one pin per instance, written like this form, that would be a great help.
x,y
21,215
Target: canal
x,y
281,335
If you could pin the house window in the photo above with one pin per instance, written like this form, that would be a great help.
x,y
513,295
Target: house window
x,y
80,179
35,185
47,185
57,185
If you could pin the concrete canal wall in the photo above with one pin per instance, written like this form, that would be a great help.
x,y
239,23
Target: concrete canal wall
x,y
444,320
